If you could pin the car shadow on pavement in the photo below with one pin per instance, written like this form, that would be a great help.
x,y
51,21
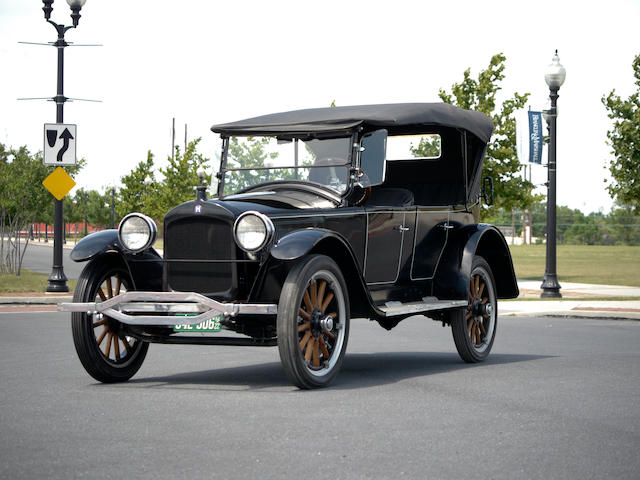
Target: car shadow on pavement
x,y
366,370
358,370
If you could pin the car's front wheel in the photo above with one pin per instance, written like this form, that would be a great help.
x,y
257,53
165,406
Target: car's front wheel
x,y
474,328
313,321
106,352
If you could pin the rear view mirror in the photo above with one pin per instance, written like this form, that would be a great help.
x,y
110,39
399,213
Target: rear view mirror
x,y
487,190
372,158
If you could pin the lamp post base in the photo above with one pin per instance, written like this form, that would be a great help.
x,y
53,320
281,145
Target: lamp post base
x,y
57,281
550,286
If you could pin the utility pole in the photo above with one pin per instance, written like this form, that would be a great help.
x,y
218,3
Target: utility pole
x,y
173,137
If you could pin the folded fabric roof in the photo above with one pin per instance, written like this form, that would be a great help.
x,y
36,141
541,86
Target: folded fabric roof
x,y
335,119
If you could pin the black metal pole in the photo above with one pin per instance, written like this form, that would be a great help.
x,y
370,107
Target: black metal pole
x,y
57,278
86,195
113,201
550,286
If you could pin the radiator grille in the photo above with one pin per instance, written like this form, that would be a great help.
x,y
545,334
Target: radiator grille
x,y
197,240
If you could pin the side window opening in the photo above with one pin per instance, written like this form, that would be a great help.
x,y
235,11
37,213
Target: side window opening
x,y
425,146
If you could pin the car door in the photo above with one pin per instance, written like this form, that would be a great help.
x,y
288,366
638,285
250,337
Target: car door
x,y
430,238
385,237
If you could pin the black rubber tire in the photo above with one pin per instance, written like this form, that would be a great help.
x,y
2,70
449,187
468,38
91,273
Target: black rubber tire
x,y
302,372
93,359
470,351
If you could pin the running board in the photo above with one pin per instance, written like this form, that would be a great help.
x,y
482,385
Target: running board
x,y
393,309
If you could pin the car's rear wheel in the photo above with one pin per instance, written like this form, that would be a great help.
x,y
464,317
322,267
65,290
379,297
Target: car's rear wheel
x,y
313,322
474,328
104,349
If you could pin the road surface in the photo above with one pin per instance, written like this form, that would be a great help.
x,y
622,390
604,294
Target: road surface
x,y
557,398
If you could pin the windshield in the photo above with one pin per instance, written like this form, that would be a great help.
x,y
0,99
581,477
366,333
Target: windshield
x,y
255,160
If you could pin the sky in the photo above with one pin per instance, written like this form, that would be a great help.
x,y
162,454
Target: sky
x,y
208,62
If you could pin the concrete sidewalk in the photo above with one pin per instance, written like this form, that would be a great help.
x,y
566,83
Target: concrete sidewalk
x,y
531,289
575,302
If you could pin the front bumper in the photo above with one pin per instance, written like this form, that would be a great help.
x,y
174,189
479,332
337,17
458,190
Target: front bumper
x,y
166,308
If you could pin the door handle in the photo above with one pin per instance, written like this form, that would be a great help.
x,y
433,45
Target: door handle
x,y
401,228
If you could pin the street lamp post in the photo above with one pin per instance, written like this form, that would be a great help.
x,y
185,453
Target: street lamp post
x,y
554,76
57,278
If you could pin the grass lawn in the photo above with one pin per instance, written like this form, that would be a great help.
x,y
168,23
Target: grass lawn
x,y
607,265
27,282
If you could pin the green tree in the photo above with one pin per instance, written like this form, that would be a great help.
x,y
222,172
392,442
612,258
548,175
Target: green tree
x,y
624,140
139,189
501,161
99,208
23,200
625,226
429,146
180,179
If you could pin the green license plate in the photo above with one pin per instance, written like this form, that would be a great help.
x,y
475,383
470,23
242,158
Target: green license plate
x,y
211,325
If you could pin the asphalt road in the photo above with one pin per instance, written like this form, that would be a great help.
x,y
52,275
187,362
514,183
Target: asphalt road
x,y
39,258
557,398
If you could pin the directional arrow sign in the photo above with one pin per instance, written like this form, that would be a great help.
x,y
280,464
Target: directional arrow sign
x,y
59,144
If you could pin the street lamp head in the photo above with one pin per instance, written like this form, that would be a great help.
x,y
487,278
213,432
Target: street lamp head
x,y
76,6
555,74
47,8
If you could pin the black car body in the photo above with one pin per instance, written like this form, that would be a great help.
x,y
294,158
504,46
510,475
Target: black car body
x,y
320,216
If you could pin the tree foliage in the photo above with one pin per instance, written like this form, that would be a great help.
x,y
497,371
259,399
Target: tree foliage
x,y
428,147
180,179
624,139
501,162
618,227
143,192
138,189
24,200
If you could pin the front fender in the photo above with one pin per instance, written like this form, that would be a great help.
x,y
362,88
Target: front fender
x,y
96,244
145,267
299,243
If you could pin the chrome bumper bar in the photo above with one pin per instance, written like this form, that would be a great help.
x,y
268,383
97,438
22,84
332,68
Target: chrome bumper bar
x,y
166,308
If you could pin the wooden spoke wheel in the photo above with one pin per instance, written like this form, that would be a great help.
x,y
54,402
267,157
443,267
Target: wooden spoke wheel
x,y
313,322
474,328
104,349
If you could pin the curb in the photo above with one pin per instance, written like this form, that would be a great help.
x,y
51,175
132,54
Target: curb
x,y
594,315
44,300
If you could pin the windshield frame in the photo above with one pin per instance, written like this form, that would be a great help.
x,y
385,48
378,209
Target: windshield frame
x,y
352,157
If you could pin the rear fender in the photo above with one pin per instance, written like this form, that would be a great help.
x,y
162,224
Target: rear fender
x,y
465,243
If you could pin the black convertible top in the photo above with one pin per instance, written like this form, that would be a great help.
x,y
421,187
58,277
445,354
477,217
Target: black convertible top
x,y
334,119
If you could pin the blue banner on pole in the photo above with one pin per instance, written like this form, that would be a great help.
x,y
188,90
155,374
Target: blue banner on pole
x,y
535,137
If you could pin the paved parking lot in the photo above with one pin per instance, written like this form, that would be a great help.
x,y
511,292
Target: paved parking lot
x,y
558,398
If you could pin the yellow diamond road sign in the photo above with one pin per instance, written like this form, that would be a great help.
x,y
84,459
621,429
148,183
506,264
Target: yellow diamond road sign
x,y
59,183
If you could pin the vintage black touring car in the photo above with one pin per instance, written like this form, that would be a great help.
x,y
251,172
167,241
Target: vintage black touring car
x,y
321,215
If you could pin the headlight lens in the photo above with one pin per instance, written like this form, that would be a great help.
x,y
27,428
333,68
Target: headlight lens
x,y
137,232
252,231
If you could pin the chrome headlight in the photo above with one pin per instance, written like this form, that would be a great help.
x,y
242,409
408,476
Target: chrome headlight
x,y
137,232
252,231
